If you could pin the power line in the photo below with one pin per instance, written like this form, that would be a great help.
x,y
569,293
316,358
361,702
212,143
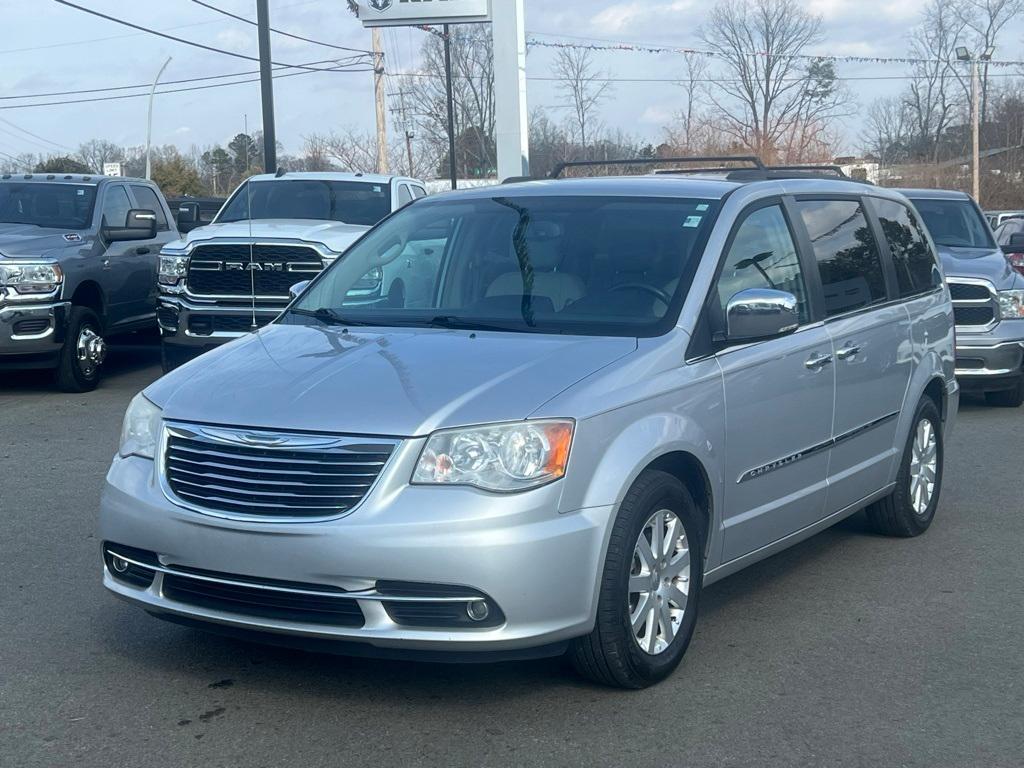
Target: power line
x,y
33,135
702,81
182,40
278,31
172,90
337,62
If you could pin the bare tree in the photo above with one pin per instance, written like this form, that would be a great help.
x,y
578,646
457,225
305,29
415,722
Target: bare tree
x,y
584,86
985,19
887,131
769,90
689,120
21,163
96,152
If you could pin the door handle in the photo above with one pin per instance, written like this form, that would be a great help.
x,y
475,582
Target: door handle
x,y
849,351
142,250
817,361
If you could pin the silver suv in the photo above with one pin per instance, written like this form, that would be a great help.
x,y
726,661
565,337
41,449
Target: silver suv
x,y
605,395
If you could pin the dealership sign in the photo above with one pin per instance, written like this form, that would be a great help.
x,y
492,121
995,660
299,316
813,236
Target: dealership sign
x,y
394,13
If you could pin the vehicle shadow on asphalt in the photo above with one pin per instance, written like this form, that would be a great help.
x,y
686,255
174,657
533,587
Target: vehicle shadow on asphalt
x,y
125,355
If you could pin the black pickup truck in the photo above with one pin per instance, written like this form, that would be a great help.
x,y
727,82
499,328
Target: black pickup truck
x,y
78,263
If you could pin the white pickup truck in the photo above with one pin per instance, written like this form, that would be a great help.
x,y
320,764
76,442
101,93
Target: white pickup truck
x,y
232,276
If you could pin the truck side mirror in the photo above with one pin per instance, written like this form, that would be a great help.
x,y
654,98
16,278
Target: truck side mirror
x,y
188,216
140,224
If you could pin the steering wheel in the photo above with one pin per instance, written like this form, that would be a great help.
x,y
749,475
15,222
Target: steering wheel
x,y
659,294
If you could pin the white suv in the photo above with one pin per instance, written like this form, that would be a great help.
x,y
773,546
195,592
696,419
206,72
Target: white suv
x,y
226,279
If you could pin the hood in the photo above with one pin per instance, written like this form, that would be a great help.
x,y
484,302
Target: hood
x,y
335,235
984,263
26,240
398,382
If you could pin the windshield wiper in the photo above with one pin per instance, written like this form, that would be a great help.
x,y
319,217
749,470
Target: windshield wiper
x,y
466,324
329,317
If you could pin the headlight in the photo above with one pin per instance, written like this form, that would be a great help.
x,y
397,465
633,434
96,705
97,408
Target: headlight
x,y
31,278
499,457
141,428
172,269
1011,304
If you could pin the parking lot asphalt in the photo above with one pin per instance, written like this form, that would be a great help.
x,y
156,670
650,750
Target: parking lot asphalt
x,y
847,650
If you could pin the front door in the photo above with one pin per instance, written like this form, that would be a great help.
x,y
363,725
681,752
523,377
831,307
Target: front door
x,y
126,272
778,397
871,343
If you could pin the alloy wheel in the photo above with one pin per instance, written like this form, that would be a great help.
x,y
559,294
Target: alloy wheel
x,y
91,351
924,463
659,582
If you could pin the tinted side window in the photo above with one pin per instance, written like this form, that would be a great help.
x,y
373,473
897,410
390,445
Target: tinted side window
x,y
404,195
147,198
116,206
846,252
762,255
915,263
418,192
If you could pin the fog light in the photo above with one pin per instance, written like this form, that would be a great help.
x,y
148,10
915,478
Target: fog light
x,y
119,564
478,610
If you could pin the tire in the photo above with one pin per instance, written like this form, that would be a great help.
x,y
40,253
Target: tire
x,y
84,330
896,514
1007,398
612,654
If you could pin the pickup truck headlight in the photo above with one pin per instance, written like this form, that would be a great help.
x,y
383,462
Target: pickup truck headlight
x,y
498,457
1011,304
172,269
141,428
29,279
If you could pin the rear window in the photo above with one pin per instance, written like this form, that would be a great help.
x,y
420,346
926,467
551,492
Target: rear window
x,y
847,254
352,202
954,223
916,270
57,206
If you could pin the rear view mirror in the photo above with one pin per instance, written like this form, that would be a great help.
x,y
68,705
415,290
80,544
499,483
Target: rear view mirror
x,y
761,313
140,224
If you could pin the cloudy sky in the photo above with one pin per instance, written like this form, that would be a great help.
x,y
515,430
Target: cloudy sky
x,y
48,47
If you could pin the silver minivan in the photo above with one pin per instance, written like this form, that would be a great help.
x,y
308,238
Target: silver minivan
x,y
613,393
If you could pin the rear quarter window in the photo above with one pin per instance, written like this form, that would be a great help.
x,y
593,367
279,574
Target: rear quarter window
x,y
916,268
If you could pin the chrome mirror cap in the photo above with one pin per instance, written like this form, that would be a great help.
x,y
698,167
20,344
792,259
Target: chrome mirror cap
x,y
760,313
297,289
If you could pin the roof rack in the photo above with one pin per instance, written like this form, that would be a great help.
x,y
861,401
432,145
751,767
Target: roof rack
x,y
755,163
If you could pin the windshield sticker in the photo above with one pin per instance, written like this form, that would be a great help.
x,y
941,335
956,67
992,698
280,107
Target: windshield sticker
x,y
73,237
702,207
693,221
80,192
376,190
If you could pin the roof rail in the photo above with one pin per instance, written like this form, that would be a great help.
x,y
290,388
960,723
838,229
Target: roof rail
x,y
755,163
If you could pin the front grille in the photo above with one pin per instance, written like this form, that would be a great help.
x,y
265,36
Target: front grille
x,y
974,304
235,269
31,327
258,600
303,477
205,325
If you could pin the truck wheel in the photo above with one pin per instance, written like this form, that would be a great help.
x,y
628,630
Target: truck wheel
x,y
650,588
910,508
1007,398
80,364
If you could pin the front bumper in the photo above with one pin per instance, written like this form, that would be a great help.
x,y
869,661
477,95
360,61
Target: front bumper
x,y
989,360
540,568
31,335
201,325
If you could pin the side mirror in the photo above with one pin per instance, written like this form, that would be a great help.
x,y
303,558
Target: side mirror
x,y
761,313
1016,244
296,290
140,224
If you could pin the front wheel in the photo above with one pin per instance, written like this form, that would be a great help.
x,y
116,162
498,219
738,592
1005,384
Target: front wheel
x,y
650,587
81,358
910,508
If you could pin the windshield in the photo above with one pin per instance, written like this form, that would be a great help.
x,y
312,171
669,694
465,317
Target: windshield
x,y
615,266
351,202
955,223
56,206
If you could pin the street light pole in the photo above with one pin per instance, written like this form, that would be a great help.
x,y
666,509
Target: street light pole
x,y
149,120
975,130
266,87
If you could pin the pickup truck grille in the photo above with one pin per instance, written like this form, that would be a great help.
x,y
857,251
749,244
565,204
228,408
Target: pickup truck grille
x,y
245,473
974,304
233,269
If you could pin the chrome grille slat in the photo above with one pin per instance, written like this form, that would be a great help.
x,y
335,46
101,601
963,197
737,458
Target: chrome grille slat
x,y
284,265
267,475
975,304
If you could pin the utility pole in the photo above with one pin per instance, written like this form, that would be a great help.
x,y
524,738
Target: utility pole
x,y
963,54
149,120
266,88
403,117
452,166
378,93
